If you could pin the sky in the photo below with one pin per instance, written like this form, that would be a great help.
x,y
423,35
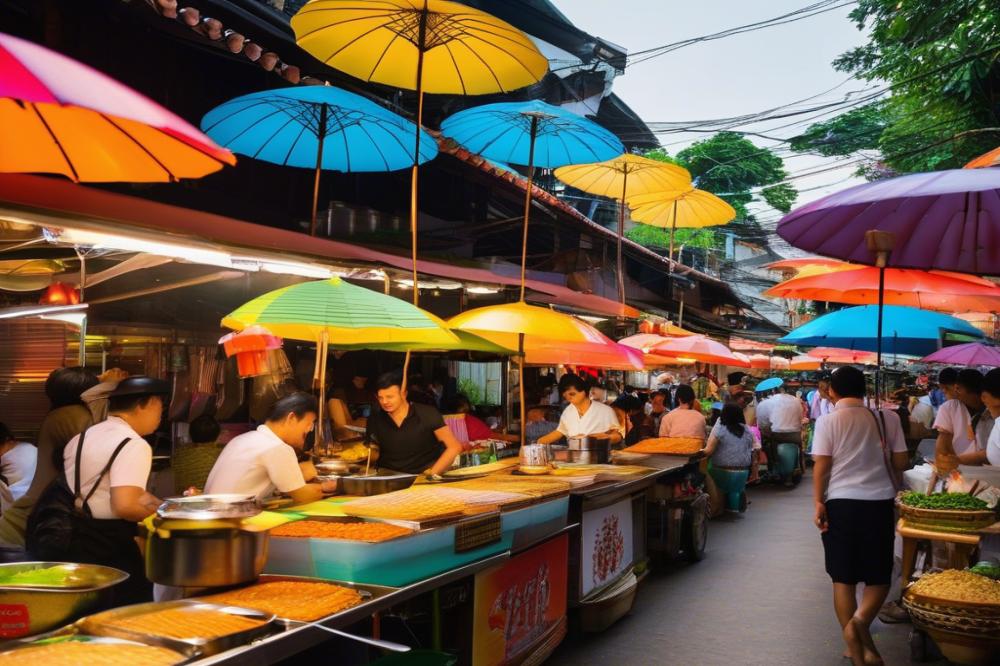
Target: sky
x,y
732,76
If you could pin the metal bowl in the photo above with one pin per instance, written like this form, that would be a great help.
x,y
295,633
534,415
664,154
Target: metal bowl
x,y
210,556
375,484
209,507
36,608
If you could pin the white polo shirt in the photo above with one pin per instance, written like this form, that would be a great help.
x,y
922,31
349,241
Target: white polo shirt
x,y
131,467
18,467
993,446
255,463
783,413
953,416
850,436
597,419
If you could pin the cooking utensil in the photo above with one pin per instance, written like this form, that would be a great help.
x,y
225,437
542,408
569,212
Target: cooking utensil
x,y
376,484
534,455
580,443
329,467
44,606
209,507
184,554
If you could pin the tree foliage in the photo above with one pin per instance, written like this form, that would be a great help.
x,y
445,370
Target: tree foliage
x,y
658,238
942,59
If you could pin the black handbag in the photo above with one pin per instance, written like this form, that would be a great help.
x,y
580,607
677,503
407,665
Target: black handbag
x,y
62,516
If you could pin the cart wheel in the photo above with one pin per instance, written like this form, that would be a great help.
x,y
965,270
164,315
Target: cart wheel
x,y
695,536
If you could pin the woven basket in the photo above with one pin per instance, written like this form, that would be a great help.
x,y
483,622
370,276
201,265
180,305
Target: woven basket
x,y
969,609
945,520
962,624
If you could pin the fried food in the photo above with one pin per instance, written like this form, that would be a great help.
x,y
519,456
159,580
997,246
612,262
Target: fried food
x,y
354,453
668,445
958,585
180,623
320,529
78,653
290,599
412,504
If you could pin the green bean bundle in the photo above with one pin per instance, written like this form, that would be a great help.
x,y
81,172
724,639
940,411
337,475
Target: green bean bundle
x,y
944,501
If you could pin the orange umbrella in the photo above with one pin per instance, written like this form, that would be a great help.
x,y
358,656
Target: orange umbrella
x,y
760,362
780,363
805,362
989,159
795,264
699,348
607,354
929,290
838,355
645,342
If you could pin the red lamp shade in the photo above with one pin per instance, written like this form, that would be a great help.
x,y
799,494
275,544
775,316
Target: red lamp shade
x,y
60,293
250,346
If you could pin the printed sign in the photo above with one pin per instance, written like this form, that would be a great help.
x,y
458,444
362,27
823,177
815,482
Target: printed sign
x,y
519,602
606,545
15,620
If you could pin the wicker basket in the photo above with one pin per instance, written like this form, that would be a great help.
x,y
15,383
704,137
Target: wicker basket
x,y
945,520
966,632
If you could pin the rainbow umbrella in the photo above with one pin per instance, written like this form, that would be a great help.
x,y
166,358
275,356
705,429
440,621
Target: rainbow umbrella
x,y
60,116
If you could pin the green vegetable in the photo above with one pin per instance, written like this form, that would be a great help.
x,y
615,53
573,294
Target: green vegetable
x,y
986,569
947,501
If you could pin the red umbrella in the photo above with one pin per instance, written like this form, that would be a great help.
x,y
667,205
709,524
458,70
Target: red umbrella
x,y
838,355
969,354
760,362
698,348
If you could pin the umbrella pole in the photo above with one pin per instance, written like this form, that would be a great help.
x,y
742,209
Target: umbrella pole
x,y
673,228
527,202
319,167
520,388
621,232
414,175
878,347
321,352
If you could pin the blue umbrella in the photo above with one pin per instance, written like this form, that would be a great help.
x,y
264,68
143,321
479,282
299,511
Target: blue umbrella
x,y
769,383
317,127
904,330
534,134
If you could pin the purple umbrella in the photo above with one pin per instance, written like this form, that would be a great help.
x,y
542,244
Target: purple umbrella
x,y
943,220
969,354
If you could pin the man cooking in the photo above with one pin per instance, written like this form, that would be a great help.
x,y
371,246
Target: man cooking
x,y
264,460
583,416
409,437
963,424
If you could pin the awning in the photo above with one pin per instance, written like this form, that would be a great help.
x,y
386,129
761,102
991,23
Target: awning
x,y
56,202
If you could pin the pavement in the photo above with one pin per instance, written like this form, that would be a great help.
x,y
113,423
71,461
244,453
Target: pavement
x,y
760,596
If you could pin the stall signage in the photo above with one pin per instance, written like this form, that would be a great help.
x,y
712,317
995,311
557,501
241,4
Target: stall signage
x,y
15,620
606,545
518,602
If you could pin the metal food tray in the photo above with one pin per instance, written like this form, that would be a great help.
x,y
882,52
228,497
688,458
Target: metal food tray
x,y
189,647
68,635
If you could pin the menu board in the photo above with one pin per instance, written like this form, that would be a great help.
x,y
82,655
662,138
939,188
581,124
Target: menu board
x,y
518,602
606,545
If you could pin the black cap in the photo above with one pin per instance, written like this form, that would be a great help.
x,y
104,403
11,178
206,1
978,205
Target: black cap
x,y
735,378
141,386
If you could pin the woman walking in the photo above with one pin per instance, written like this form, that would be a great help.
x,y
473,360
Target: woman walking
x,y
731,448
858,455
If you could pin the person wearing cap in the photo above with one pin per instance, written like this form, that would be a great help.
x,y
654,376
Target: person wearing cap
x,y
106,469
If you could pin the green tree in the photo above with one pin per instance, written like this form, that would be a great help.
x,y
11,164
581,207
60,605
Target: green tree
x,y
657,238
942,60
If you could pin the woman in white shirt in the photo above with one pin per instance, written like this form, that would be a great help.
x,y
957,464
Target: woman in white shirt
x,y
858,454
991,398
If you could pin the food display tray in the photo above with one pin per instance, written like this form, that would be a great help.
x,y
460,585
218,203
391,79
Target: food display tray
x,y
410,558
189,647
69,634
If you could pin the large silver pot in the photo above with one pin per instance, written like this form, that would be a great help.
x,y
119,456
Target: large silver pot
x,y
375,484
214,556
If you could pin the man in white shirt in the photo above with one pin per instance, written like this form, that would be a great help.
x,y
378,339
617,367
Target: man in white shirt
x,y
17,464
583,416
821,403
963,425
857,453
265,460
991,398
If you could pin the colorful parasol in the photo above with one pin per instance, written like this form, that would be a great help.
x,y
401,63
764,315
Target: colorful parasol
x,y
970,354
690,209
60,116
990,159
699,348
805,362
839,355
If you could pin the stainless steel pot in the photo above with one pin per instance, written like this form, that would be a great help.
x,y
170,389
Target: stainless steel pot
x,y
375,484
211,556
581,443
594,456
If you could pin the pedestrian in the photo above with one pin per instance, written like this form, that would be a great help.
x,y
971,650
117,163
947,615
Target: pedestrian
x,y
858,454
732,449
945,391
685,420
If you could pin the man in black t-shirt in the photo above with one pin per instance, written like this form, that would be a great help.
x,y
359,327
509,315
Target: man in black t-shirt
x,y
411,438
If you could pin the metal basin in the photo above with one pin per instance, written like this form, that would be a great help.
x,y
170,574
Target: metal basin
x,y
377,484
205,557
27,609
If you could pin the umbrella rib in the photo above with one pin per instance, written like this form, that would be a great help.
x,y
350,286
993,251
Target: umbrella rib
x,y
499,48
293,144
278,131
236,112
378,148
333,55
382,56
141,147
458,71
55,139
485,64
338,24
249,127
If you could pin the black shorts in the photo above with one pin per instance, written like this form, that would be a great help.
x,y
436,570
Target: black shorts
x,y
858,544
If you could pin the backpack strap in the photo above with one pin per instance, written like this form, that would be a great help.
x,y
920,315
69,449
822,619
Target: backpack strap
x,y
886,453
84,506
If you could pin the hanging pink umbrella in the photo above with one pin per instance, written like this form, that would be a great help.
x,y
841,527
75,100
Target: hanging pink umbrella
x,y
968,354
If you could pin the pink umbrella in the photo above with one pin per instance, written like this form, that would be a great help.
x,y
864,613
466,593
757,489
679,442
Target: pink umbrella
x,y
969,354
699,348
838,355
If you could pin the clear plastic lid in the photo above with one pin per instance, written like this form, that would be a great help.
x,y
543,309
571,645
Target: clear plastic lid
x,y
209,507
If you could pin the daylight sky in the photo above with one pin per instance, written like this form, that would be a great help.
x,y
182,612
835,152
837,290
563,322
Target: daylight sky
x,y
732,76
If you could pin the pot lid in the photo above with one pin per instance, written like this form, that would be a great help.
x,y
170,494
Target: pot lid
x,y
209,507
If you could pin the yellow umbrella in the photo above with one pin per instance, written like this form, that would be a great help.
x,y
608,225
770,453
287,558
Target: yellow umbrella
x,y
433,46
689,209
525,326
622,178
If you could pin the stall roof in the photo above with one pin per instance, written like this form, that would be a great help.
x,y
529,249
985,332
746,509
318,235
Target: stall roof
x,y
74,205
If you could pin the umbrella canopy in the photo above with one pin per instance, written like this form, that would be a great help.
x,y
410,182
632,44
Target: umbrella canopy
x,y
946,220
798,264
60,116
760,362
460,50
503,132
623,177
346,314
970,354
929,290
904,331
990,159
769,384
286,127
839,355
463,342
318,127
805,362
535,134
541,326
646,342
699,348
691,209
607,354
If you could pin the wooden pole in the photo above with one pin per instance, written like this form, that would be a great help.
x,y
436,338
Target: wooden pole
x,y
415,172
621,232
321,351
319,167
527,202
520,388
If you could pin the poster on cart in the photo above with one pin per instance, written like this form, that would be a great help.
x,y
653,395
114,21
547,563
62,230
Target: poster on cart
x,y
606,545
518,602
